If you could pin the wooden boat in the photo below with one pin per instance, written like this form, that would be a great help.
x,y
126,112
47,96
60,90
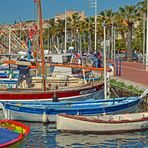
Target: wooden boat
x,y
103,124
39,95
46,111
12,133
8,83
11,79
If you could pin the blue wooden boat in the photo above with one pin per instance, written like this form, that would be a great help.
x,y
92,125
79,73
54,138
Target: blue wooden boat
x,y
47,111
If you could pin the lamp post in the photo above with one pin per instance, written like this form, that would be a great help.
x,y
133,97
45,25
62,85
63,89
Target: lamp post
x,y
114,43
48,38
48,35
147,41
94,4
105,82
143,52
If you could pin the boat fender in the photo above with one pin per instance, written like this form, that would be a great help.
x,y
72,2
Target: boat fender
x,y
111,70
45,118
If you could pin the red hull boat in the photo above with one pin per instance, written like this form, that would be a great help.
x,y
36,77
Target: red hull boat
x,y
36,95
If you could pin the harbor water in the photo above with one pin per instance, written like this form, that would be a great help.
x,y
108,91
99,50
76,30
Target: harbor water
x,y
46,136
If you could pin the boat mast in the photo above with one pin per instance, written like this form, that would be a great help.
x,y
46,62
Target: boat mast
x,y
9,40
41,45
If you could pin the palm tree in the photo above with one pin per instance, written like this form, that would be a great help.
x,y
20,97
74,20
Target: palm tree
x,y
52,32
60,29
69,31
75,24
89,31
142,6
108,17
128,16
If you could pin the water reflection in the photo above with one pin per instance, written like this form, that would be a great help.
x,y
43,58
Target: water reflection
x,y
122,140
41,136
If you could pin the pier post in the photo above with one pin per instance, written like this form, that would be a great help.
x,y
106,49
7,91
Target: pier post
x,y
116,62
120,66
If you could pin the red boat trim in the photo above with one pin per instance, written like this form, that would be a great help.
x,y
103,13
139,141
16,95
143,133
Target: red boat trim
x,y
102,121
20,137
49,94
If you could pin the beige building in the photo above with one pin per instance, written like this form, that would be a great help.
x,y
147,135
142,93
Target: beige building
x,y
69,13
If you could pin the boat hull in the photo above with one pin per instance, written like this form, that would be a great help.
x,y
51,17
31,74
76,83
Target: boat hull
x,y
78,124
35,113
34,95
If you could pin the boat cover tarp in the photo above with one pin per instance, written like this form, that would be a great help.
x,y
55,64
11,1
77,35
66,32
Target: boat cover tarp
x,y
7,135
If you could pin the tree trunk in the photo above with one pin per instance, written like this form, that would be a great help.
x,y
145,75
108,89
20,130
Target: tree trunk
x,y
90,42
129,42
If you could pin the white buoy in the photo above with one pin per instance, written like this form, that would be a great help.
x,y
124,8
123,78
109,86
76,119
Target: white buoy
x,y
45,117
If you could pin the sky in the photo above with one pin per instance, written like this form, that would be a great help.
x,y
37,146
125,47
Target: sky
x,y
16,10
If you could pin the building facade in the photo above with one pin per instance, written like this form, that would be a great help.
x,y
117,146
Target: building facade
x,y
69,13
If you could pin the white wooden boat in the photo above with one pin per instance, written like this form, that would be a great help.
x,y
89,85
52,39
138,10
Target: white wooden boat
x,y
103,124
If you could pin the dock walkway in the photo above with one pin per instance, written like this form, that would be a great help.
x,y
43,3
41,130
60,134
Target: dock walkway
x,y
133,73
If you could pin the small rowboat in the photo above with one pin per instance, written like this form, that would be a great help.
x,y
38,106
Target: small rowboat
x,y
103,124
12,133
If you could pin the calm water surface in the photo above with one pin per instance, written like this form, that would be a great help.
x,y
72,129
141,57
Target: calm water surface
x,y
46,136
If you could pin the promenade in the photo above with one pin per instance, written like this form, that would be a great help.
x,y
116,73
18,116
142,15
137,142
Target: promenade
x,y
133,73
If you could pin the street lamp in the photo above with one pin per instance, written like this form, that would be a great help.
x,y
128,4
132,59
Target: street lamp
x,y
105,73
144,37
147,41
48,35
114,42
94,4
